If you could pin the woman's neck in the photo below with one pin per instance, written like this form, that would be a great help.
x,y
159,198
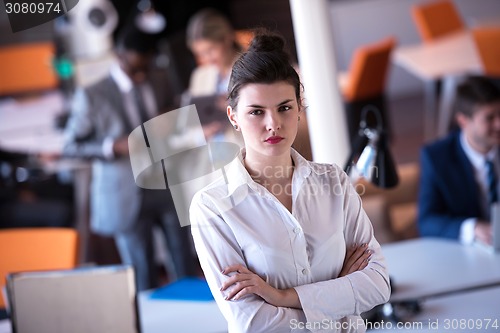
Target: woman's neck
x,y
269,169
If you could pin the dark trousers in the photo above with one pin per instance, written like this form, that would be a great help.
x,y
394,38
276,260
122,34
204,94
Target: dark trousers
x,y
136,246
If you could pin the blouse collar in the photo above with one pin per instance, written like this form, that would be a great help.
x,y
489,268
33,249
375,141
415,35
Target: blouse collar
x,y
238,176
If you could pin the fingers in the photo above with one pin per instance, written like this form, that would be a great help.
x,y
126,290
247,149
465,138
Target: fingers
x,y
234,279
243,274
361,262
357,258
238,268
356,253
350,251
240,289
240,284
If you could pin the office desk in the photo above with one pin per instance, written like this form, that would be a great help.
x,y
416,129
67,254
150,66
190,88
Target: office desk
x,y
429,267
164,316
476,309
444,58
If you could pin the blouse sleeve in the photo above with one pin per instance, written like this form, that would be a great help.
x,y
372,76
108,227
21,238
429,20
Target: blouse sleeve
x,y
218,248
356,292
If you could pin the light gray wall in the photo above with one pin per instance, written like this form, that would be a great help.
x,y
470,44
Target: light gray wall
x,y
358,22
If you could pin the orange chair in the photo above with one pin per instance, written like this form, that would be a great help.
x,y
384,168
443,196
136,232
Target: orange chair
x,y
366,80
27,67
436,19
31,249
487,40
244,37
368,70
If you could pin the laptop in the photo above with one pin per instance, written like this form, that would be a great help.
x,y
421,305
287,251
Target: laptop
x,y
82,300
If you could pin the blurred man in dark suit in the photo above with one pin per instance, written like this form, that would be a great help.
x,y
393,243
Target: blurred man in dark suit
x,y
460,172
102,117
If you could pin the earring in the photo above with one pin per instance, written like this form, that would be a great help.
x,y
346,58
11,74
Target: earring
x,y
235,126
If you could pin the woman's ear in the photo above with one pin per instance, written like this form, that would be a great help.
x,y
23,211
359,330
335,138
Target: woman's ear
x,y
231,115
302,105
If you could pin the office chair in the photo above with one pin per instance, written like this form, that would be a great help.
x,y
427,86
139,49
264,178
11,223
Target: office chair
x,y
436,19
487,40
244,37
365,83
27,67
31,249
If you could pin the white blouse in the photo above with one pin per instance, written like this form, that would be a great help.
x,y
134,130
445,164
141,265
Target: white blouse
x,y
237,221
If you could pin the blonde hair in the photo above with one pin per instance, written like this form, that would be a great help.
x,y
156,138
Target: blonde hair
x,y
208,24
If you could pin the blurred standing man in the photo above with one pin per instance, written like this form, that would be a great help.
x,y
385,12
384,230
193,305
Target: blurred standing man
x,y
460,172
103,115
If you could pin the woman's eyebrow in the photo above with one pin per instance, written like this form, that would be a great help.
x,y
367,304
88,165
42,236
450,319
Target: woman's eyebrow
x,y
284,102
262,107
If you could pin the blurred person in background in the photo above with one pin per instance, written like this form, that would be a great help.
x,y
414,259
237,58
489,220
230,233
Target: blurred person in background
x,y
101,119
459,177
211,38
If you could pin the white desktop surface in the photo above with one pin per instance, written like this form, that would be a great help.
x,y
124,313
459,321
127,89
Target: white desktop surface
x,y
480,307
425,267
164,316
5,326
450,55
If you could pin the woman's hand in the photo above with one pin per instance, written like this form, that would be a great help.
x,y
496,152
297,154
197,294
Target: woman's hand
x,y
245,282
356,258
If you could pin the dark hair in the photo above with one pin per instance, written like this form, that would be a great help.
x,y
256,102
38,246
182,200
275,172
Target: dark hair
x,y
133,39
473,92
266,61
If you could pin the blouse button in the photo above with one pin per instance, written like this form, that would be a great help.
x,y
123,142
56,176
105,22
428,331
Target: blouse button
x,y
296,230
304,271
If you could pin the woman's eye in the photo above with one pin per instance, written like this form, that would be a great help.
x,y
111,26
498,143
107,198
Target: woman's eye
x,y
256,112
285,108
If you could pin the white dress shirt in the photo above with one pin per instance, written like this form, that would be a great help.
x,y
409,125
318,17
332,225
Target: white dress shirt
x,y
237,221
478,162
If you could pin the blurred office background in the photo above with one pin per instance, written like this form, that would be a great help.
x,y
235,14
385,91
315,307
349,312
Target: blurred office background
x,y
40,68
79,53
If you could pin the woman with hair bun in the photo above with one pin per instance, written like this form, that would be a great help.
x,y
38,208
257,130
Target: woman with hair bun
x,y
284,243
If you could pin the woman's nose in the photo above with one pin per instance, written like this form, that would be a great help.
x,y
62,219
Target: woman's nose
x,y
273,122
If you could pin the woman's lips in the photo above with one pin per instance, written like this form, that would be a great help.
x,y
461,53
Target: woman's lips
x,y
274,140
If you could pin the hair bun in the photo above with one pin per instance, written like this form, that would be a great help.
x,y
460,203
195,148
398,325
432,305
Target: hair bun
x,y
266,41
